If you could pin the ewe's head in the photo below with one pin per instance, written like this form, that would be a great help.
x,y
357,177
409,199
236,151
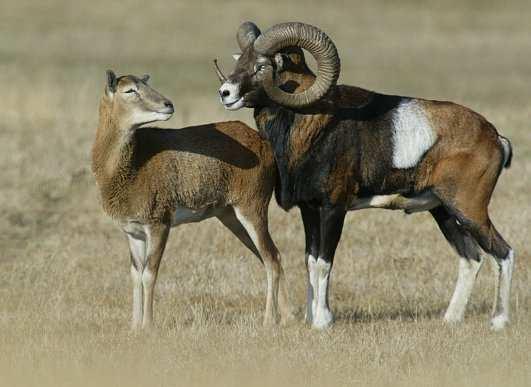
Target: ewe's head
x,y
265,56
133,102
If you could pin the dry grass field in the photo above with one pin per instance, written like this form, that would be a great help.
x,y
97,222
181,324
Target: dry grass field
x,y
64,266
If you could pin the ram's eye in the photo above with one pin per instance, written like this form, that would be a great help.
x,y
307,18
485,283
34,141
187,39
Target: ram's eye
x,y
258,67
131,91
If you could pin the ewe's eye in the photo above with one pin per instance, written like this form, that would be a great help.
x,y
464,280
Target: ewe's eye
x,y
130,91
258,67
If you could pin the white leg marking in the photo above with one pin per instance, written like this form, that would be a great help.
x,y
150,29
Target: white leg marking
x,y
137,247
271,311
468,270
136,276
248,227
322,317
148,282
313,286
504,272
412,134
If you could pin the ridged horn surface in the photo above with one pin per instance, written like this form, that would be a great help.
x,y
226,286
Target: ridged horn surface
x,y
317,43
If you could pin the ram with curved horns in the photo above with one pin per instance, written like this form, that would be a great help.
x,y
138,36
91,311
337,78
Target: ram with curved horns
x,y
341,148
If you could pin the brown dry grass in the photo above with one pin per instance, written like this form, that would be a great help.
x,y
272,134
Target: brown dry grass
x,y
64,276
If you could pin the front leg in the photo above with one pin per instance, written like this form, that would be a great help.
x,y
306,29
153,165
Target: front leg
x,y
311,220
137,250
331,226
157,236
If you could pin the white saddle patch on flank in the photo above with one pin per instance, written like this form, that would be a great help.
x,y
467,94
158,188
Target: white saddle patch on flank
x,y
412,134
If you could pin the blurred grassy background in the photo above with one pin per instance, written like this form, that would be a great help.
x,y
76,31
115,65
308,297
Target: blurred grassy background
x,y
64,274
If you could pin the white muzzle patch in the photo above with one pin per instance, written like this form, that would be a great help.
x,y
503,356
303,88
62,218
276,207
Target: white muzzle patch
x,y
229,94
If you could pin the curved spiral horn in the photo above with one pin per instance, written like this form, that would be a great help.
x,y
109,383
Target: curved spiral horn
x,y
317,43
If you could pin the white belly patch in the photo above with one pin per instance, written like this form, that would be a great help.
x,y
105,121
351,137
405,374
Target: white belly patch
x,y
422,202
412,134
187,215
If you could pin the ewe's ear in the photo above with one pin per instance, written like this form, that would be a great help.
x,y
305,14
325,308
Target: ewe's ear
x,y
145,78
236,56
112,82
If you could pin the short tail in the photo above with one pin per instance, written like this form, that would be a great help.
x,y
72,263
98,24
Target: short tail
x,y
507,151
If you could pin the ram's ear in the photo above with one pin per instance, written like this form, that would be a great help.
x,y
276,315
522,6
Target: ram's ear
x,y
145,78
281,60
112,82
236,56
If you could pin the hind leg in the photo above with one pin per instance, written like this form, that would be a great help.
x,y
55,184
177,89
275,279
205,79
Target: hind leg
x,y
229,220
479,226
157,236
465,195
503,269
254,221
493,244
490,240
467,201
470,262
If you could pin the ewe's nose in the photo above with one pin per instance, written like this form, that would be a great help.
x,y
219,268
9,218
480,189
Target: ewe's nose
x,y
224,93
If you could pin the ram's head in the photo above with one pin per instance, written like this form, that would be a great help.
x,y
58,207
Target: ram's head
x,y
265,56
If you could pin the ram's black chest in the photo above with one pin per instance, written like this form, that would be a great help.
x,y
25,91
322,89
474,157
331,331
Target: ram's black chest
x,y
297,180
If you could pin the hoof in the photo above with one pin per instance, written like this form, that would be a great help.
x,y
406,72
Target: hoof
x,y
323,320
499,323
